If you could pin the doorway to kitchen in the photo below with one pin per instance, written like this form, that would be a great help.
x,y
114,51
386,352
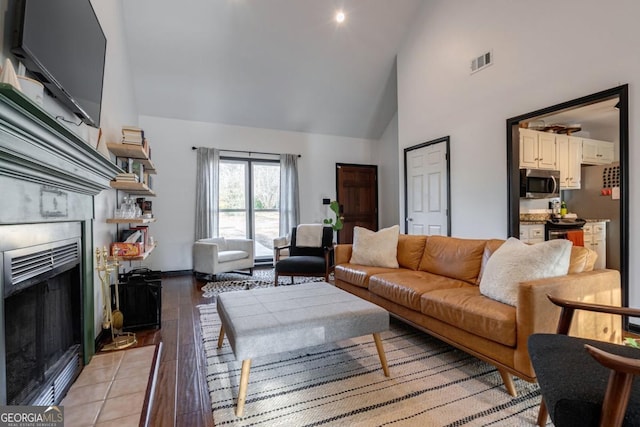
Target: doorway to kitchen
x,y
427,189
249,200
616,101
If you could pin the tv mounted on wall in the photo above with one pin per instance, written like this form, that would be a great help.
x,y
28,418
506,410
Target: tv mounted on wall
x,y
62,44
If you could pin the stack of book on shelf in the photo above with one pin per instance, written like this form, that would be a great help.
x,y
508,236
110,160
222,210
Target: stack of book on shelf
x,y
127,177
132,135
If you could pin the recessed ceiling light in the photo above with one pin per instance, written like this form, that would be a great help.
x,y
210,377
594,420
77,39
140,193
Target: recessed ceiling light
x,y
340,17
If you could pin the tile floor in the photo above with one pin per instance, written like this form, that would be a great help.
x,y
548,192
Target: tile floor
x,y
110,390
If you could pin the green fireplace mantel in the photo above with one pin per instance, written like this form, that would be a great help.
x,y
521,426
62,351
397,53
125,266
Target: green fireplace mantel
x,y
50,174
36,147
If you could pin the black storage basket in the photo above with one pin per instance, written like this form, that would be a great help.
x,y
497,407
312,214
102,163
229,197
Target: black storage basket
x,y
140,299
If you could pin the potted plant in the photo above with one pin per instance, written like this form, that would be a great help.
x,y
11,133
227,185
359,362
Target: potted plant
x,y
337,225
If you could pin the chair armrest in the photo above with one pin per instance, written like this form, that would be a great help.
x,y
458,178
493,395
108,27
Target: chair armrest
x,y
205,256
569,307
329,258
240,245
613,361
277,250
616,397
600,308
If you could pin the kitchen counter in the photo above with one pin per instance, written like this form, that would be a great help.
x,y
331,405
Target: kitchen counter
x,y
545,221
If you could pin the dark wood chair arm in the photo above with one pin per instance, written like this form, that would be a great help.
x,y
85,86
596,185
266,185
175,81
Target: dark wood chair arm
x,y
616,397
609,309
569,307
615,362
278,249
328,261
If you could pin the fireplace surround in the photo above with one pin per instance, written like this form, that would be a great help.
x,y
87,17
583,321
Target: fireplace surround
x,y
49,177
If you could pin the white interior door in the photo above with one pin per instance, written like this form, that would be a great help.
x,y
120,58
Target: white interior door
x,y
427,190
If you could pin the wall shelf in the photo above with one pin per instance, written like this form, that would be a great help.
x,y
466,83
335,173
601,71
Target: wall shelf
x,y
132,151
140,257
136,188
130,220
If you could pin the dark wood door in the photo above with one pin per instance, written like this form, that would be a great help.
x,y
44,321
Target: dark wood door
x,y
357,194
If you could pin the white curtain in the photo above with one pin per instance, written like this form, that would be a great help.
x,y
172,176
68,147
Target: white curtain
x,y
207,193
289,200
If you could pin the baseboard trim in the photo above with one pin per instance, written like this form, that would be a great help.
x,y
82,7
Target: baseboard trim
x,y
177,273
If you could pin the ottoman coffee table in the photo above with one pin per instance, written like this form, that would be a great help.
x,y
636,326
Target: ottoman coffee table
x,y
259,322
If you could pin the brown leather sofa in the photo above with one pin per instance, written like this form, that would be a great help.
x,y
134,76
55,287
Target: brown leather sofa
x,y
436,290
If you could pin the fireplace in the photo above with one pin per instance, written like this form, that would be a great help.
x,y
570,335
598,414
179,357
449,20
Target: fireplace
x,y
49,177
42,297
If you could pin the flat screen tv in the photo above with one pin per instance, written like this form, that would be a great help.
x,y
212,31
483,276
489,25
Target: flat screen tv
x,y
62,44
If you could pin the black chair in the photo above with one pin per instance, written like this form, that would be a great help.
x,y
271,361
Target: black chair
x,y
586,382
306,261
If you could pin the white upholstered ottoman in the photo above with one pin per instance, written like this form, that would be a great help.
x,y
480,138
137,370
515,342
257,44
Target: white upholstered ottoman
x,y
284,318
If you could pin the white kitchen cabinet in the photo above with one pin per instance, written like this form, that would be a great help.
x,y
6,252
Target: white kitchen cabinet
x,y
537,149
596,152
532,233
569,159
595,238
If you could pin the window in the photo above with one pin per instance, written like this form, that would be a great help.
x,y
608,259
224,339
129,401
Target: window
x,y
249,199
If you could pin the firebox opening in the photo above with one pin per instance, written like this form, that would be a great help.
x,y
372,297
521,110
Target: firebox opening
x,y
42,323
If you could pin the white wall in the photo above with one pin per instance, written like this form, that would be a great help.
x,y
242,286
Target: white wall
x,y
171,141
385,155
118,108
541,59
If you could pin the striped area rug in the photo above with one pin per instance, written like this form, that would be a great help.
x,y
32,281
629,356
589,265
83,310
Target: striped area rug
x,y
340,384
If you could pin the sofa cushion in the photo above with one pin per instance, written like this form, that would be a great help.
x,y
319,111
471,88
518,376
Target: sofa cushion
x,y
467,309
582,259
406,288
375,248
358,275
516,262
489,248
410,250
453,257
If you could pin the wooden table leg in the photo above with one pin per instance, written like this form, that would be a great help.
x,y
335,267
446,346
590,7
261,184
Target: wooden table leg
x,y
221,336
244,381
383,358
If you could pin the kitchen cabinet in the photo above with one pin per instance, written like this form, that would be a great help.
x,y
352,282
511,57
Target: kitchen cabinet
x,y
532,233
537,149
596,152
569,158
595,238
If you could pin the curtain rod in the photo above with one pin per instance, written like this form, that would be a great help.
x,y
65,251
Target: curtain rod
x,y
249,152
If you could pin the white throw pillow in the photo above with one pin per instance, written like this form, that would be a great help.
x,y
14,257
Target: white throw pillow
x,y
516,262
377,249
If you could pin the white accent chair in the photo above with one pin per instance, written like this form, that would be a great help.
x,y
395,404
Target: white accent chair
x,y
220,255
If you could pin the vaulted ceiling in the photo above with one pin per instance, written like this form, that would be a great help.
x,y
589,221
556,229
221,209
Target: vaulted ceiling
x,y
277,64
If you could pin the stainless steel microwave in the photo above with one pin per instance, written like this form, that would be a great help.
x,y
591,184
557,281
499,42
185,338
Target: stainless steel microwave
x,y
539,183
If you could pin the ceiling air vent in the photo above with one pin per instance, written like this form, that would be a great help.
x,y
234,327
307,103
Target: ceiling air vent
x,y
481,62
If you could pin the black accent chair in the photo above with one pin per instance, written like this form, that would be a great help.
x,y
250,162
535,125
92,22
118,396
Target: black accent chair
x,y
586,382
306,261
